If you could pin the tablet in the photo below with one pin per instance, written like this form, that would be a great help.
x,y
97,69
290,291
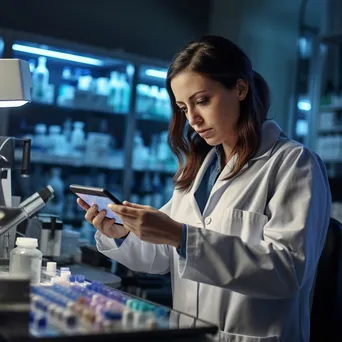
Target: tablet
x,y
100,197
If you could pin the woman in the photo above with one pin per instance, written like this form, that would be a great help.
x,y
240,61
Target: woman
x,y
246,224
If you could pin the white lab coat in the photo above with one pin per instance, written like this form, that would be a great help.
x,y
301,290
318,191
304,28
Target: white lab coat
x,y
251,257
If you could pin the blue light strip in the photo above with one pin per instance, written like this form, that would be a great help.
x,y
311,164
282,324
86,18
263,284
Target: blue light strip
x,y
156,73
57,54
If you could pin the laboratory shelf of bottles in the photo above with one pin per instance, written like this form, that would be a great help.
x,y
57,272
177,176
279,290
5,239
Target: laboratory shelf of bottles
x,y
77,81
68,88
95,116
93,83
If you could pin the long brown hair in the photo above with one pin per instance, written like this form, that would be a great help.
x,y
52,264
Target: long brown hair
x,y
220,60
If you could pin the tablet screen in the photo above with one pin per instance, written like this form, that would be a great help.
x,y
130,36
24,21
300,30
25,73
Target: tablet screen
x,y
102,203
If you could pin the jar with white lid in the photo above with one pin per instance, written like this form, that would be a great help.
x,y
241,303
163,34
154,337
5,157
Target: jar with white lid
x,y
26,259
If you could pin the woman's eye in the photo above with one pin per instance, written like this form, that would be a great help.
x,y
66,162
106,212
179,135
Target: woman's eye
x,y
202,101
183,109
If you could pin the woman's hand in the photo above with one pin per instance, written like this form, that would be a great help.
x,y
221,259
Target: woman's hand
x,y
100,222
149,224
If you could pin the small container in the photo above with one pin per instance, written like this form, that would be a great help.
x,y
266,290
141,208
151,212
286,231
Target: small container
x,y
51,268
65,274
26,260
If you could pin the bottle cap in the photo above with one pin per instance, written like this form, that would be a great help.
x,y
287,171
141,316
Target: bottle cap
x,y
42,322
112,315
80,278
26,242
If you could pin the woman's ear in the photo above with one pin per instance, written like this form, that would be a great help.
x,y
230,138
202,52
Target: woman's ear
x,y
242,87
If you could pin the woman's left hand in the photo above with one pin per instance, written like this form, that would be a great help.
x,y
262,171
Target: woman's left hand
x,y
149,224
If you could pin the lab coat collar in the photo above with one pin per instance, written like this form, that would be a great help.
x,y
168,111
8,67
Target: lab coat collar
x,y
270,133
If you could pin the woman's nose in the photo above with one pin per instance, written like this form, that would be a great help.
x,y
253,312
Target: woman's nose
x,y
194,117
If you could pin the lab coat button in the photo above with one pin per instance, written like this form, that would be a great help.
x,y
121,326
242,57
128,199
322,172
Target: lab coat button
x,y
207,220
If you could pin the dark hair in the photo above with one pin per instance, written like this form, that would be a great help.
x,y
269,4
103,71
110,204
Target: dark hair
x,y
221,60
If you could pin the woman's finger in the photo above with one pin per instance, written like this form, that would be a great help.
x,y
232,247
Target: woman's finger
x,y
82,204
129,223
91,213
123,210
138,206
98,220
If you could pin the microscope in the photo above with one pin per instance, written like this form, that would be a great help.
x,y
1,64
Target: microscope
x,y
15,86
11,214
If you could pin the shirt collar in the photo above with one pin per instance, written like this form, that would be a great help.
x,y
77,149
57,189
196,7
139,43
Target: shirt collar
x,y
219,151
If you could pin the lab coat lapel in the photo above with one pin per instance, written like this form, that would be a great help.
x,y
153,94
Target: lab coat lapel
x,y
222,181
270,134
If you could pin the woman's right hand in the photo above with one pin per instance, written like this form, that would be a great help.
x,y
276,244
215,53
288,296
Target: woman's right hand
x,y
98,219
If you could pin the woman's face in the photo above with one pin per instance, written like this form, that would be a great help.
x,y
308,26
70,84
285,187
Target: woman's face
x,y
211,109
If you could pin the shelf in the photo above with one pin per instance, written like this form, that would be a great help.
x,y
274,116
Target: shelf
x,y
160,169
337,129
70,111
152,118
334,37
110,162
148,127
330,108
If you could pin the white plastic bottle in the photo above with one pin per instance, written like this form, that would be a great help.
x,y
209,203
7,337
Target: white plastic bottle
x,y
57,203
114,91
78,138
154,98
26,259
125,94
40,79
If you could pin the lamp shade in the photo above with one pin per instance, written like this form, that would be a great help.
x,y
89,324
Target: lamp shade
x,y
15,82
